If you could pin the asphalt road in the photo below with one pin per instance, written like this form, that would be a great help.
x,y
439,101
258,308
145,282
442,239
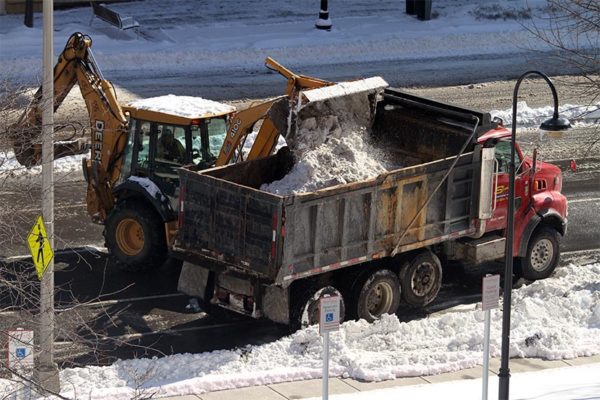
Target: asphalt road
x,y
260,83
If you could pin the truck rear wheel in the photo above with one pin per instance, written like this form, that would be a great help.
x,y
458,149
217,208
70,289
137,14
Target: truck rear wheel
x,y
421,279
135,236
379,294
542,254
304,311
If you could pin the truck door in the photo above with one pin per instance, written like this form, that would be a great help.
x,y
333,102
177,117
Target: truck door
x,y
140,159
498,220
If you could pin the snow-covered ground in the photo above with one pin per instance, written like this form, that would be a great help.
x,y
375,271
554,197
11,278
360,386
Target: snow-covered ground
x,y
557,318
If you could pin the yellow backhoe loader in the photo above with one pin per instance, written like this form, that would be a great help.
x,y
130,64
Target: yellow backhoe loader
x,y
132,183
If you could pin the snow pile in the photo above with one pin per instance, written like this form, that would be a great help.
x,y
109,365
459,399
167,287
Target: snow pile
x,y
150,187
331,146
66,169
533,117
183,106
558,318
341,160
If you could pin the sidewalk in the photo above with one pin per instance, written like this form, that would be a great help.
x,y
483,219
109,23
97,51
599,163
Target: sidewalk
x,y
312,388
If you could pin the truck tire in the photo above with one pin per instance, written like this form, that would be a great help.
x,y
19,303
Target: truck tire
x,y
379,294
421,279
135,236
543,253
304,310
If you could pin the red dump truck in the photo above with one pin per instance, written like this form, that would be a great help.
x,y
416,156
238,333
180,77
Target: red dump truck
x,y
377,243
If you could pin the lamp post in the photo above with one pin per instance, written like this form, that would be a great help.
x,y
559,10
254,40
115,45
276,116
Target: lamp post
x,y
553,124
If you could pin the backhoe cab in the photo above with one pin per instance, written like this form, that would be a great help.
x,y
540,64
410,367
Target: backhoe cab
x,y
158,143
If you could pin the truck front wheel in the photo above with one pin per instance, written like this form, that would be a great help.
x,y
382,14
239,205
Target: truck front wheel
x,y
135,236
378,295
304,311
542,254
421,279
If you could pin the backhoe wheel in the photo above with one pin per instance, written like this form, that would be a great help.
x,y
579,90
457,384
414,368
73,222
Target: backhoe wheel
x,y
304,310
542,254
135,235
421,279
379,294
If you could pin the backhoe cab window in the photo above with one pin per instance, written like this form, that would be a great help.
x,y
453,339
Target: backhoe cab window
x,y
143,140
217,129
170,144
207,139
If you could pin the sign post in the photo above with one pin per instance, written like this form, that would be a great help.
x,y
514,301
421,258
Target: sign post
x,y
20,351
329,321
20,358
489,300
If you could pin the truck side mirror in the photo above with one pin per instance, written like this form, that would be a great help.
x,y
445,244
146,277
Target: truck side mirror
x,y
573,166
534,163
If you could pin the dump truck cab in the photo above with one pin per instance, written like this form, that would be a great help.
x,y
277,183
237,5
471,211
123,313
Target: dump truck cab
x,y
540,207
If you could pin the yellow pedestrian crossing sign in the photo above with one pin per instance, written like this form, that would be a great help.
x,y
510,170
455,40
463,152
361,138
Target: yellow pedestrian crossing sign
x,y
39,245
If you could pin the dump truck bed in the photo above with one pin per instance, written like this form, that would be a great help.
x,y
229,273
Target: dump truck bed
x,y
227,222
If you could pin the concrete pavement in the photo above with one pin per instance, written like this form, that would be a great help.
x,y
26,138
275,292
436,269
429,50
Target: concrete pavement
x,y
312,387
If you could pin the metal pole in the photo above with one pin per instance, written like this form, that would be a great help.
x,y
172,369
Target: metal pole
x,y
486,354
325,390
504,373
46,369
28,17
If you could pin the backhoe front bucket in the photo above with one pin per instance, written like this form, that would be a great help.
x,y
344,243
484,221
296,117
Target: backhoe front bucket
x,y
343,89
330,110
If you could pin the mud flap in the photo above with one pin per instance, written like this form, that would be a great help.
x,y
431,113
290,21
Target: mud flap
x,y
276,304
193,280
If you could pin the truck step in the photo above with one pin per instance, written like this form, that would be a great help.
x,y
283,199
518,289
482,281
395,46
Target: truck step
x,y
487,248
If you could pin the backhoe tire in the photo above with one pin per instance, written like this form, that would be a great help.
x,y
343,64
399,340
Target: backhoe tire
x,y
421,278
378,294
543,254
304,310
135,236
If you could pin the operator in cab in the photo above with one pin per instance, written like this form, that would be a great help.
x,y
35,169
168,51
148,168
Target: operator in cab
x,y
169,148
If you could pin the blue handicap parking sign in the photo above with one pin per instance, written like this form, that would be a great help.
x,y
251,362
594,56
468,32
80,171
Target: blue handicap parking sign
x,y
329,317
21,352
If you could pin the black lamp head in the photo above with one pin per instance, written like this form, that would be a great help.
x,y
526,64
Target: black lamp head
x,y
555,124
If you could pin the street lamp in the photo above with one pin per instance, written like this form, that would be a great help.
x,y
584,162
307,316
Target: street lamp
x,y
553,124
